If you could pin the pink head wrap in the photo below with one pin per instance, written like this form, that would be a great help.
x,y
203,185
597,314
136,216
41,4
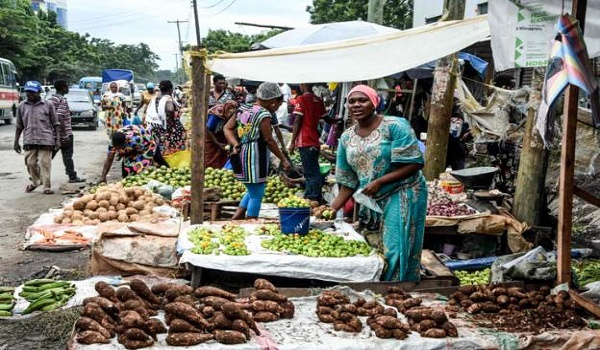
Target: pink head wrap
x,y
369,92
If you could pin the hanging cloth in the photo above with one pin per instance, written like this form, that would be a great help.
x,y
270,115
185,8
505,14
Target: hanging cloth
x,y
569,64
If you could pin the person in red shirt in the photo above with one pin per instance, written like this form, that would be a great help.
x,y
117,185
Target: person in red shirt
x,y
308,112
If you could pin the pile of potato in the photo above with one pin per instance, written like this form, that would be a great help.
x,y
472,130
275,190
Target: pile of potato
x,y
111,203
268,304
426,321
126,312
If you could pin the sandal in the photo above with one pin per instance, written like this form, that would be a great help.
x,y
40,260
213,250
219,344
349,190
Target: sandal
x,y
48,191
30,188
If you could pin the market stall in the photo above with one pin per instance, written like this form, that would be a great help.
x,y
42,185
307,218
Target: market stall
x,y
255,258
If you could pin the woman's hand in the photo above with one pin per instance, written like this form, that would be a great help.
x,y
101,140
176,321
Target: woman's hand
x,y
235,150
372,188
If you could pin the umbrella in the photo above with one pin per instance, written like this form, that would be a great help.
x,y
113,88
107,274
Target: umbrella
x,y
322,33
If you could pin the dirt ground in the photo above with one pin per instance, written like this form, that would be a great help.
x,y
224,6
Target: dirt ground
x,y
18,210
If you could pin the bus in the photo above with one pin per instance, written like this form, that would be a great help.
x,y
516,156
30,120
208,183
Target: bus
x,y
94,86
9,93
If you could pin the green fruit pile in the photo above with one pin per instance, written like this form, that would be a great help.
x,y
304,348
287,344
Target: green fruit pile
x,y
293,202
472,278
317,244
276,190
204,241
179,177
587,271
230,241
224,179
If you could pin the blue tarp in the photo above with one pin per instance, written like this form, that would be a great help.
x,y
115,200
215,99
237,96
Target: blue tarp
x,y
110,75
426,70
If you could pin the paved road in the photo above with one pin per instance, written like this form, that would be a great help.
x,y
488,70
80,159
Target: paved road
x,y
19,209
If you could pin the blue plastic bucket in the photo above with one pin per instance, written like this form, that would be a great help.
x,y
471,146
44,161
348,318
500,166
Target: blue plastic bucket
x,y
294,220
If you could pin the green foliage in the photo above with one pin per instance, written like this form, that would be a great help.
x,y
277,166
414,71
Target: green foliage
x,y
42,50
224,40
396,13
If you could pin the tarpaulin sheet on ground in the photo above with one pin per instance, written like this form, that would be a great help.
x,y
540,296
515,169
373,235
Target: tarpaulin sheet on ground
x,y
263,261
304,331
355,59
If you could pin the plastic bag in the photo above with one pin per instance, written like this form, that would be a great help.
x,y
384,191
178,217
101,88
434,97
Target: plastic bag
x,y
181,159
367,201
136,120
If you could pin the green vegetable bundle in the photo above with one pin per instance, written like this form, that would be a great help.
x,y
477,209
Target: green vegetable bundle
x,y
588,271
46,294
7,301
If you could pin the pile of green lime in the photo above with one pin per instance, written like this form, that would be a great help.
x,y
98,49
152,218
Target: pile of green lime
x,y
230,241
269,230
224,179
475,277
276,190
205,241
293,202
176,177
317,244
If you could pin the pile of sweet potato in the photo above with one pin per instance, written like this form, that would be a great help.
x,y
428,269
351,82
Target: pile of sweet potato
x,y
387,325
268,304
125,312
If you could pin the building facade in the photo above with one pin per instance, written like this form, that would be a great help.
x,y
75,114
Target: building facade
x,y
430,11
57,6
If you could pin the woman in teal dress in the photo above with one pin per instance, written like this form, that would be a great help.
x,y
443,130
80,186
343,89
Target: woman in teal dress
x,y
380,156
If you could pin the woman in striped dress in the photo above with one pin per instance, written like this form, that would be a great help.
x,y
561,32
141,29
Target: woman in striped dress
x,y
250,134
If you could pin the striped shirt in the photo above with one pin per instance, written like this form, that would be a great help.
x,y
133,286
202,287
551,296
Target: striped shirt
x,y
61,107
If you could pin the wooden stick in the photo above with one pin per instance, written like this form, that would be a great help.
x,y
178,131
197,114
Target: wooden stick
x,y
590,306
567,168
586,196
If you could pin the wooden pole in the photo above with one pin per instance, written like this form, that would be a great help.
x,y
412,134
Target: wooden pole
x,y
442,99
199,111
567,166
531,177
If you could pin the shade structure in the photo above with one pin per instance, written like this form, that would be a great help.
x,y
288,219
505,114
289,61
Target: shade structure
x,y
354,59
323,33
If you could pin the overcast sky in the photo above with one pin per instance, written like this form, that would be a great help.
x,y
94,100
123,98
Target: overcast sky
x,y
135,21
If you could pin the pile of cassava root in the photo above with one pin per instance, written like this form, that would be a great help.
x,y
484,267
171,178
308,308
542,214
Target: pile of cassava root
x,y
192,316
112,203
335,307
512,308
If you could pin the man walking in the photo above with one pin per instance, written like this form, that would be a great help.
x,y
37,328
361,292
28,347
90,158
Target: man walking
x,y
38,123
308,112
63,113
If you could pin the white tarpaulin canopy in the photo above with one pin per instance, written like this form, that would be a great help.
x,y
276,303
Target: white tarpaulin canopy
x,y
354,59
327,32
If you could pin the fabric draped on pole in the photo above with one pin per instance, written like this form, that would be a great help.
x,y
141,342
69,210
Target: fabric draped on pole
x,y
569,64
355,59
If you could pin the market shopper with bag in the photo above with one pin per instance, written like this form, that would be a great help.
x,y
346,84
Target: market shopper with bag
x,y
250,134
162,115
379,156
37,121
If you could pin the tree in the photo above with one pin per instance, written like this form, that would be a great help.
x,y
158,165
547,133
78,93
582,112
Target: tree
x,y
224,40
397,13
43,50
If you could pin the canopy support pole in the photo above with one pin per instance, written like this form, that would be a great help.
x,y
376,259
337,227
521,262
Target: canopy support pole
x,y
199,111
567,166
